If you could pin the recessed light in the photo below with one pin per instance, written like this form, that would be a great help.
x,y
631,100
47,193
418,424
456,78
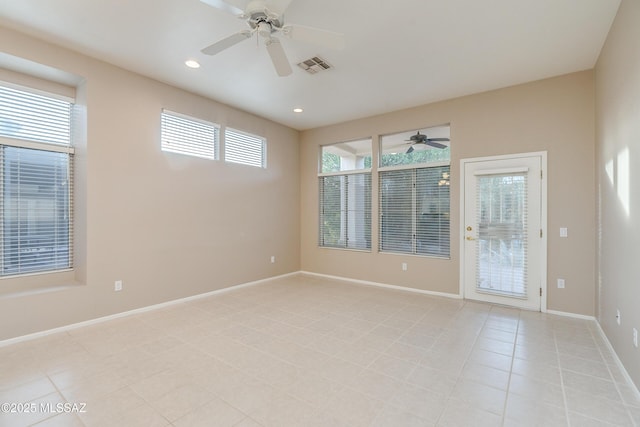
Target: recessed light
x,y
191,63
298,110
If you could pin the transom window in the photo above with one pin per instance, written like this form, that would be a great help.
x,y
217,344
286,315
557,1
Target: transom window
x,y
346,156
244,148
187,135
416,147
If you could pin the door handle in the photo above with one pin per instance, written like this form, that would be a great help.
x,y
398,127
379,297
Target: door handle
x,y
471,238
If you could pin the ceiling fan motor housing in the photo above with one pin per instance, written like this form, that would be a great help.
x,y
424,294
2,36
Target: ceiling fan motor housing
x,y
260,18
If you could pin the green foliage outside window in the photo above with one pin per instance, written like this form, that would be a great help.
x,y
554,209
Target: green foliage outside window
x,y
430,155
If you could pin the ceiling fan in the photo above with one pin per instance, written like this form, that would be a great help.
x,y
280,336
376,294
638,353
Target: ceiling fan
x,y
420,138
266,18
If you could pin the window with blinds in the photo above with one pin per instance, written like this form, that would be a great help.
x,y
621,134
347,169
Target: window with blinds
x,y
244,148
186,135
345,211
414,192
36,177
345,195
414,211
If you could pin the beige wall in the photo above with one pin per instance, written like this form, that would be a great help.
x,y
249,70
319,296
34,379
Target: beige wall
x,y
618,132
169,226
172,226
555,115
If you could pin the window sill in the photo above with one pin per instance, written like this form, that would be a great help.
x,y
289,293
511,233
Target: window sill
x,y
38,283
430,256
368,251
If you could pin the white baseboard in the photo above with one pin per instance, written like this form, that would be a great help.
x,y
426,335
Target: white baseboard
x,y
383,285
72,326
625,374
572,315
432,293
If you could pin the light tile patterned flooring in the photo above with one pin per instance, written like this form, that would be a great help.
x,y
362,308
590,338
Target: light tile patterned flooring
x,y
306,351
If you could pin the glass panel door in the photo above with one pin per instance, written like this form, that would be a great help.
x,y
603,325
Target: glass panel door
x,y
502,239
502,246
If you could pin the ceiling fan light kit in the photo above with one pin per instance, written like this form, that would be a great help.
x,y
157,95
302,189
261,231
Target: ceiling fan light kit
x,y
266,18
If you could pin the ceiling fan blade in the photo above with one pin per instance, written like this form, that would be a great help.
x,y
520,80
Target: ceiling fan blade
x,y
278,57
410,150
234,7
435,144
437,139
226,43
314,35
278,6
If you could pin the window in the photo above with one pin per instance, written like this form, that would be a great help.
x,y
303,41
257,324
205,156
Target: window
x,y
245,149
399,149
36,177
346,156
187,135
414,195
345,211
345,195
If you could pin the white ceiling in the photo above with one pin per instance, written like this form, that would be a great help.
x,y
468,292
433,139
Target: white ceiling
x,y
398,54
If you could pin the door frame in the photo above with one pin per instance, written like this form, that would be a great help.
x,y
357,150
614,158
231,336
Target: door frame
x,y
543,217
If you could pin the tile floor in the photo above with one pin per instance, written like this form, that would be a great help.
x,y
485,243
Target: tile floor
x,y
306,351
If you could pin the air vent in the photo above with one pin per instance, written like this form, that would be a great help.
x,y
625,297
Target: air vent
x,y
314,65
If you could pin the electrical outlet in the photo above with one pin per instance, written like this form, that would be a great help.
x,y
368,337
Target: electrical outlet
x,y
118,285
560,283
273,259
563,231
404,266
635,337
618,316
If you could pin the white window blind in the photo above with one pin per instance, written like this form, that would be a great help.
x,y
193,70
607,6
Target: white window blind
x,y
345,211
34,117
36,167
414,211
245,149
502,239
190,136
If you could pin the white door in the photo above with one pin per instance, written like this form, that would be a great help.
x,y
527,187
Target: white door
x,y
502,236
